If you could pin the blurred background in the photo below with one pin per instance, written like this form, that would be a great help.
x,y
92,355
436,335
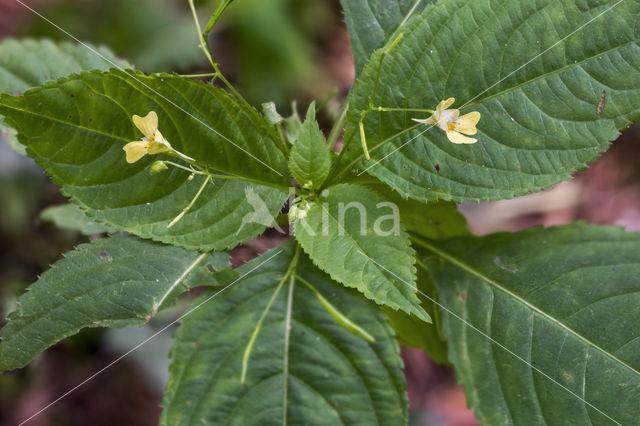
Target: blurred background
x,y
276,50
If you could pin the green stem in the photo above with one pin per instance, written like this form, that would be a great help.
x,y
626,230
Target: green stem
x,y
216,15
207,74
342,319
204,45
287,339
364,141
283,140
338,125
186,209
256,331
379,108
384,54
336,176
200,171
189,169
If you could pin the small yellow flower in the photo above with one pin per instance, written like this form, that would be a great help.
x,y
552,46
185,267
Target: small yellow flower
x,y
152,143
453,125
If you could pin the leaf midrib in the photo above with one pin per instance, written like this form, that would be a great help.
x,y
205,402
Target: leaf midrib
x,y
497,285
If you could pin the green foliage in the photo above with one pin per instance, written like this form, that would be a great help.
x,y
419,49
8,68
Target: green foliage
x,y
29,63
537,90
415,333
113,282
361,248
87,120
71,217
305,367
561,299
371,22
540,325
309,160
431,220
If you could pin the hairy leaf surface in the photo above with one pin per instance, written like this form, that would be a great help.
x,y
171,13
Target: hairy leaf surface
x,y
119,281
535,70
75,128
352,235
561,306
305,367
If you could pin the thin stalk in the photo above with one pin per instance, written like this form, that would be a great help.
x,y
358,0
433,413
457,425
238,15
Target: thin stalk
x,y
342,319
287,338
338,125
207,74
283,140
216,15
384,54
186,209
256,331
364,141
204,45
379,108
189,169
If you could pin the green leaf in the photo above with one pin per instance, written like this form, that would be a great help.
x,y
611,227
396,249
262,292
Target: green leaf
x,y
309,160
113,282
356,236
415,333
305,367
29,63
76,128
70,217
534,70
430,220
371,22
561,306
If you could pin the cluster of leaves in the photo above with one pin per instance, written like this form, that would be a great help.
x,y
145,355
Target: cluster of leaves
x,y
541,325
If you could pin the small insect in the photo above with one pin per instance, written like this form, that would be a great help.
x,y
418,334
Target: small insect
x,y
602,101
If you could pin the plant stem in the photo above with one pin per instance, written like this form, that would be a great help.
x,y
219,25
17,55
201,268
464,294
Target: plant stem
x,y
191,170
338,125
364,141
379,108
283,140
204,45
256,331
216,15
342,319
207,74
186,209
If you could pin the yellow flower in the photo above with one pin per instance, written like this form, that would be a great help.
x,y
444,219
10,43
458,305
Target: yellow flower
x,y
453,125
153,141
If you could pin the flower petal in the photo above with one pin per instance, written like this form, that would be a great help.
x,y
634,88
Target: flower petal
x,y
467,123
446,103
429,120
148,125
135,150
157,148
458,138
